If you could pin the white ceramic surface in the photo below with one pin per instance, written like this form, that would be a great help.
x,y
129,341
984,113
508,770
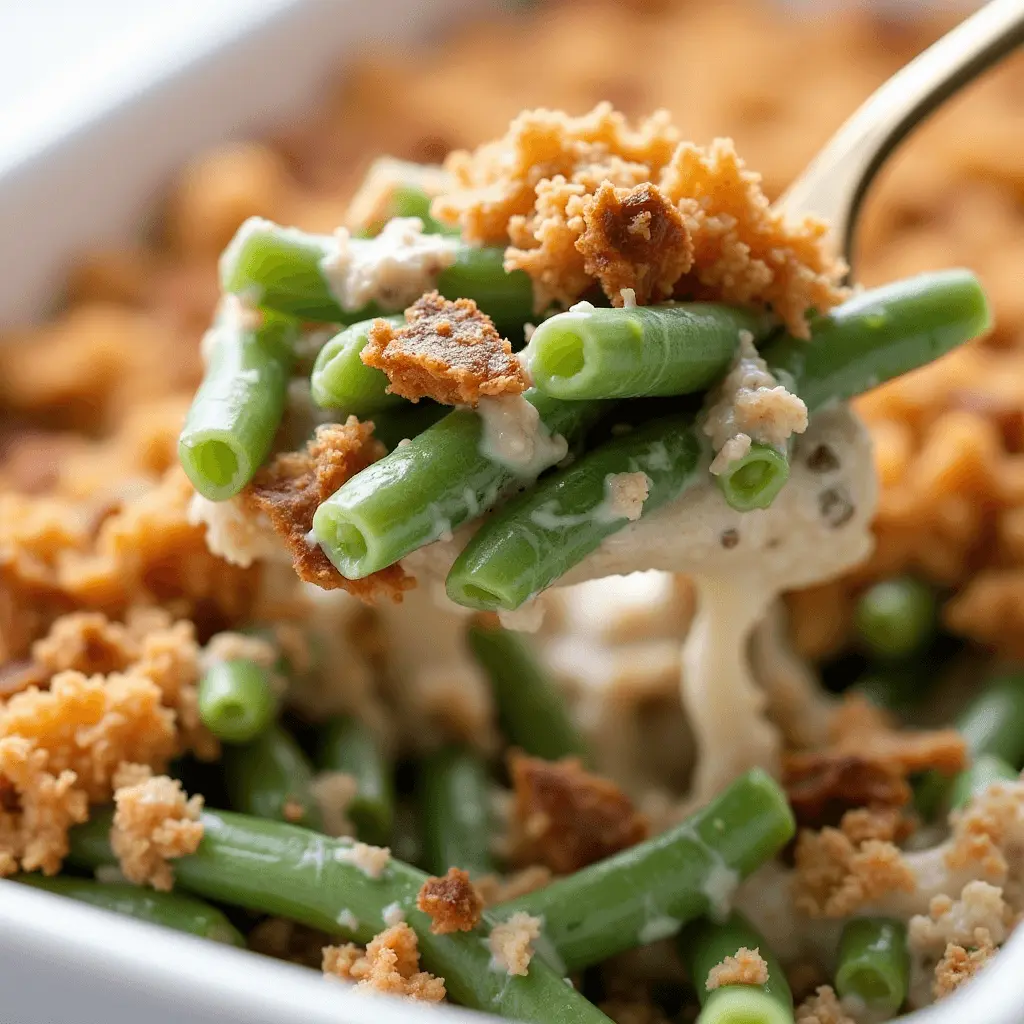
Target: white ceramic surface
x,y
83,170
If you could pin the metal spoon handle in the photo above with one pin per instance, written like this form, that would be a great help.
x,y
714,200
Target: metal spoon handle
x,y
834,184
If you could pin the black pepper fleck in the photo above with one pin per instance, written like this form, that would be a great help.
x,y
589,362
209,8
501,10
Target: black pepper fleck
x,y
822,460
836,507
730,538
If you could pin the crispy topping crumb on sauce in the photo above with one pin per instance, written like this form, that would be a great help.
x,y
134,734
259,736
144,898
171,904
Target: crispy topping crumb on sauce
x,y
511,943
371,860
452,902
447,351
745,968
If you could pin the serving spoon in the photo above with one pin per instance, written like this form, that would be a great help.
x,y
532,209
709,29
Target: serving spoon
x,y
835,183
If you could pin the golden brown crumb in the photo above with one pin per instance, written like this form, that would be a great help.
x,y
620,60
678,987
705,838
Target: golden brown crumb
x,y
289,490
745,968
533,187
453,902
634,239
988,831
447,351
87,642
154,822
569,818
959,965
822,1008
837,874
37,807
390,965
496,889
511,943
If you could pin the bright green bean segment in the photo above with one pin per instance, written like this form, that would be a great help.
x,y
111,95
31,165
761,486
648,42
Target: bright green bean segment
x,y
236,700
455,811
874,963
651,890
704,945
984,770
881,334
426,489
348,745
638,351
897,618
755,479
281,268
278,869
238,407
531,710
270,778
341,381
541,534
168,909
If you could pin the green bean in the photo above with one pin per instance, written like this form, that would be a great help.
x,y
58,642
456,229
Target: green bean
x,y
347,745
410,200
896,618
541,534
880,334
169,909
992,725
874,963
281,268
278,869
238,407
406,421
455,812
531,710
426,489
983,772
236,700
704,945
755,479
637,351
651,890
340,380
270,778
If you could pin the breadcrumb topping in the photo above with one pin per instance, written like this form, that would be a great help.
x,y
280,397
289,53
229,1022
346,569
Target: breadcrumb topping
x,y
567,818
745,968
511,943
634,241
154,822
625,494
534,186
452,902
86,642
447,351
822,1008
837,874
959,964
289,490
390,965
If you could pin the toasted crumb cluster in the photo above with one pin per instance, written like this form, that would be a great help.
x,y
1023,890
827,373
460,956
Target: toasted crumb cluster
x,y
866,764
371,860
511,943
836,873
960,964
625,494
745,968
568,818
447,351
453,902
822,1008
390,966
289,489
154,822
578,196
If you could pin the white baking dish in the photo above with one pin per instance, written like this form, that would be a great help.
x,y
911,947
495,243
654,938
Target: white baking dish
x,y
84,170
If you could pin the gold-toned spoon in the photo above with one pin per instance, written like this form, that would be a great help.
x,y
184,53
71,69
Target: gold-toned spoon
x,y
834,184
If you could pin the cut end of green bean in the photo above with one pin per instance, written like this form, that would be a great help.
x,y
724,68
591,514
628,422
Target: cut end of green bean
x,y
562,354
743,1004
755,480
218,470
343,542
236,701
471,595
874,963
896,618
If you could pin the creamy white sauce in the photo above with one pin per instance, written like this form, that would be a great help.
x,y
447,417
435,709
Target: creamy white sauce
x,y
235,535
348,920
658,928
393,269
514,436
